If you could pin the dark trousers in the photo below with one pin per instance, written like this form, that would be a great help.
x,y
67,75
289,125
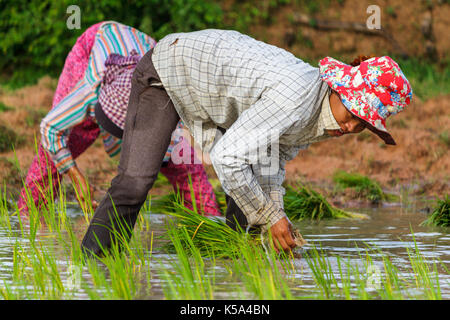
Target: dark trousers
x,y
150,121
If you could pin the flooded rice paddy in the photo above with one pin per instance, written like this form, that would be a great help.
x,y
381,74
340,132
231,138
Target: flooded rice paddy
x,y
342,250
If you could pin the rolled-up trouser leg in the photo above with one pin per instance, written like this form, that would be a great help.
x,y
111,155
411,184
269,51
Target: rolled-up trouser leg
x,y
150,121
234,215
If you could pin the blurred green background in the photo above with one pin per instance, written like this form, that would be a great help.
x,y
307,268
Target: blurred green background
x,y
34,38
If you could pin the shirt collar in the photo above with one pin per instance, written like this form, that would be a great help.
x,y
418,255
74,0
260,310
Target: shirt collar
x,y
325,121
326,117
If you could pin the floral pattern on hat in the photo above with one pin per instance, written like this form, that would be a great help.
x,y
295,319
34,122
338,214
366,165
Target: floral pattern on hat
x,y
372,91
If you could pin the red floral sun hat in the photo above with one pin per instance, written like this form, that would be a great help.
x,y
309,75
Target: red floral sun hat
x,y
372,91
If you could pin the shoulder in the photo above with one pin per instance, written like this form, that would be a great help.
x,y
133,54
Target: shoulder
x,y
112,30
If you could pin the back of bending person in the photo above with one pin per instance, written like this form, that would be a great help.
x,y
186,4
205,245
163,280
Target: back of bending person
x,y
264,99
71,125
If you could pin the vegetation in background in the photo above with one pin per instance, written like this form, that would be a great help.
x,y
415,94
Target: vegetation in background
x,y
441,213
305,203
4,107
39,47
9,139
427,79
363,185
444,137
34,38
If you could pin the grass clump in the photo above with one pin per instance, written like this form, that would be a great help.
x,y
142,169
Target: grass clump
x,y
4,107
441,214
363,185
8,139
304,203
444,137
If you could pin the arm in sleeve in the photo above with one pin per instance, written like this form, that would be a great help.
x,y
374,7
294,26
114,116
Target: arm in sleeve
x,y
271,182
56,126
240,148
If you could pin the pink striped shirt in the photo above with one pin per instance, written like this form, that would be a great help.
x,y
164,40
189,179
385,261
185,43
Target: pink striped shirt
x,y
78,105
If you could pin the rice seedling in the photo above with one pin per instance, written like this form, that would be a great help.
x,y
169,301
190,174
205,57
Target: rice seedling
x,y
263,273
364,186
163,204
419,279
444,137
188,278
304,203
441,213
425,278
209,235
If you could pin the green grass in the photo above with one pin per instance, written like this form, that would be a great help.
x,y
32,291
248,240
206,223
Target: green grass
x,y
444,137
427,79
302,203
441,214
189,277
4,107
9,139
363,185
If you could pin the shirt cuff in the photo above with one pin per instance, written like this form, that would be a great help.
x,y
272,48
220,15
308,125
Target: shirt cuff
x,y
63,160
270,215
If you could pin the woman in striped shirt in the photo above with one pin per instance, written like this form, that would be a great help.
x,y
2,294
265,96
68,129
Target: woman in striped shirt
x,y
71,127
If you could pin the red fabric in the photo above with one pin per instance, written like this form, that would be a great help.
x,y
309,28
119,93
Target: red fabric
x,y
178,175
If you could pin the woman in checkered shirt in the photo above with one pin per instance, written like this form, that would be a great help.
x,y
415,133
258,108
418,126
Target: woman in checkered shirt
x,y
264,99
104,57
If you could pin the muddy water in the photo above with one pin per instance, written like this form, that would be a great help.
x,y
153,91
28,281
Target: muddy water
x,y
389,229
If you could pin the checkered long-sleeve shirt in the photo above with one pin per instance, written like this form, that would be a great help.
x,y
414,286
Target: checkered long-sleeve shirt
x,y
268,101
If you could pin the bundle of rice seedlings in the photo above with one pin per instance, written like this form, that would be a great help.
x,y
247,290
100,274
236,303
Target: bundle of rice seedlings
x,y
304,203
363,185
210,235
441,214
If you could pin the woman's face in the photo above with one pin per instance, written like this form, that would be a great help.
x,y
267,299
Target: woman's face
x,y
348,122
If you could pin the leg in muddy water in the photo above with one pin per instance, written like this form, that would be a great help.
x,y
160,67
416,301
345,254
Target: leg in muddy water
x,y
151,119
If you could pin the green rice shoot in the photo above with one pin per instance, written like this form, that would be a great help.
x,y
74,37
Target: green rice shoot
x,y
363,185
441,214
303,203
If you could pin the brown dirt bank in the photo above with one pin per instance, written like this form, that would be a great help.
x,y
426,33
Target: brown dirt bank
x,y
420,158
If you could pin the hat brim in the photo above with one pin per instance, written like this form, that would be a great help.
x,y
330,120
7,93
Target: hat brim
x,y
385,136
